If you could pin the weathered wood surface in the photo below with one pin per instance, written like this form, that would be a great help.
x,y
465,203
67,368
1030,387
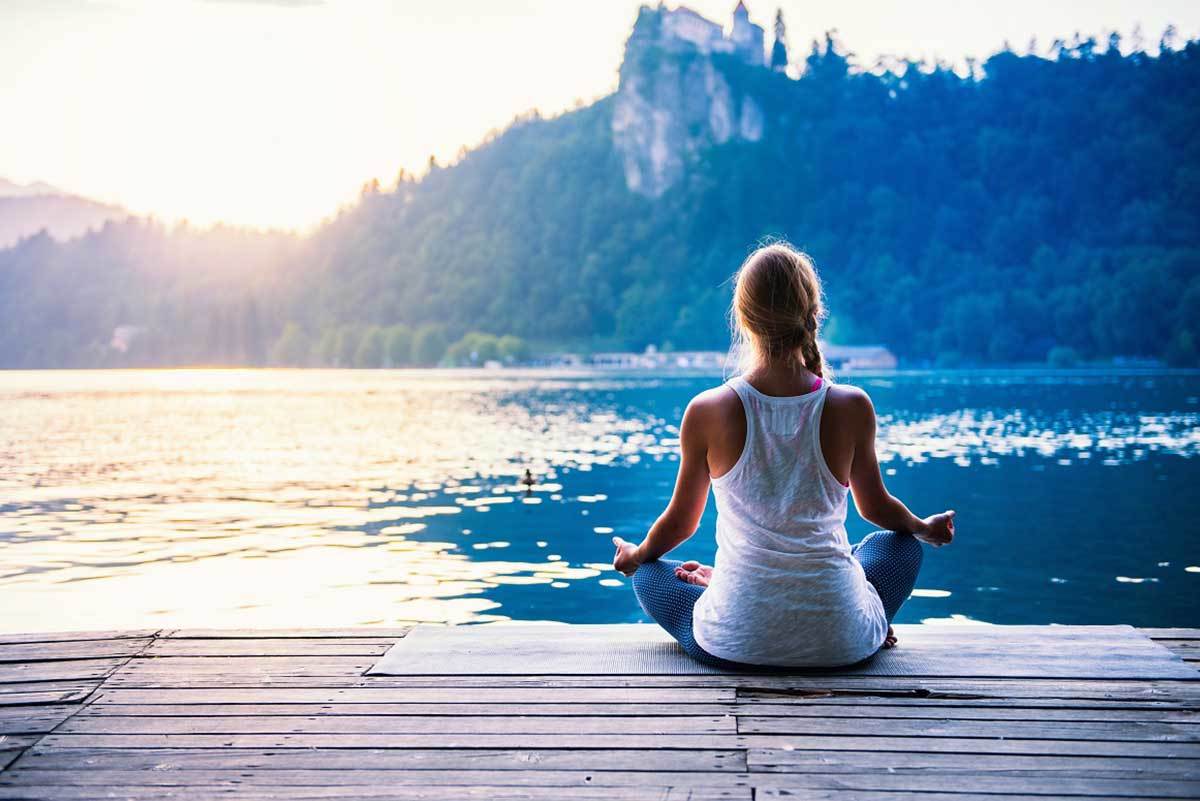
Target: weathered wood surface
x,y
1081,652
289,714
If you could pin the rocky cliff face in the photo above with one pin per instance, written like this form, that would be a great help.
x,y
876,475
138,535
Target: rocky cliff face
x,y
676,98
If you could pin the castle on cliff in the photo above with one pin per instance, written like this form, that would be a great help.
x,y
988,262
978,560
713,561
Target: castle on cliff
x,y
682,28
679,91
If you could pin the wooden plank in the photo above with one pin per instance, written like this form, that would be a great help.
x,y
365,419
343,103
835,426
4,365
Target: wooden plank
x,y
420,695
965,651
907,686
252,667
72,670
964,689
935,711
865,777
749,700
71,649
295,646
33,719
800,784
355,632
1124,731
914,687
1171,634
1187,649
826,794
75,636
357,778
966,745
464,740
648,792
537,709
858,762
925,711
28,694
17,742
340,759
394,724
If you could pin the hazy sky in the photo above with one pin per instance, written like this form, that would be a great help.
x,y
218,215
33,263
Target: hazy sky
x,y
274,112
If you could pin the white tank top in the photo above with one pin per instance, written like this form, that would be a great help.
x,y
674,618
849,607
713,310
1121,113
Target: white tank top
x,y
785,589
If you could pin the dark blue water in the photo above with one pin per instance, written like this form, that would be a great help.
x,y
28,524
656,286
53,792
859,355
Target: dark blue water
x,y
1077,498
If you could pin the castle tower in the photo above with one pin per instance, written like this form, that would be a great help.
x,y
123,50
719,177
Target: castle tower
x,y
747,37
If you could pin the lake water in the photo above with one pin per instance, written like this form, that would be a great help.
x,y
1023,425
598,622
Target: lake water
x,y
334,498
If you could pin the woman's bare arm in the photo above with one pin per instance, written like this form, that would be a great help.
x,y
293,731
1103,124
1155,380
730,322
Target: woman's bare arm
x,y
682,516
872,498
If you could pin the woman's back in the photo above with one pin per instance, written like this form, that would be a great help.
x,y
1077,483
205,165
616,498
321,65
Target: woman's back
x,y
785,589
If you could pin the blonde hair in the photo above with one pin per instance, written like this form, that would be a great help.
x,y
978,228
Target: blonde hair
x,y
777,309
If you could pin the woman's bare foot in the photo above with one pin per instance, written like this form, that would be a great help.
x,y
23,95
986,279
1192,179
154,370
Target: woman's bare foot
x,y
890,640
694,573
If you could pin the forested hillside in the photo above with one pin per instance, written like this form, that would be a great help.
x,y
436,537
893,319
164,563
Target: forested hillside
x,y
1045,206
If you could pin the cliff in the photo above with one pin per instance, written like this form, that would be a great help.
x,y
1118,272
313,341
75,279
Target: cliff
x,y
678,93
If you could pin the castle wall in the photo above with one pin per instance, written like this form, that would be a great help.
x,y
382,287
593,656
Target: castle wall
x,y
688,26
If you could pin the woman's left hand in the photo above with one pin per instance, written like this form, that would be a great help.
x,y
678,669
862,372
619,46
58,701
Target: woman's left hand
x,y
627,559
937,530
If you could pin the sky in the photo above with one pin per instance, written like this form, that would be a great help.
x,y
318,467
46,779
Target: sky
x,y
273,113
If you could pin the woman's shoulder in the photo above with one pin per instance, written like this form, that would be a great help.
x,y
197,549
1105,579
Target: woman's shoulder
x,y
717,400
848,402
713,407
847,395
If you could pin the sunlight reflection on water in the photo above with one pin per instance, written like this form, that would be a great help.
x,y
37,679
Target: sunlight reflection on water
x,y
326,498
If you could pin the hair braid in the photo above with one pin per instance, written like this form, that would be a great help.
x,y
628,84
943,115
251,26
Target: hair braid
x,y
810,351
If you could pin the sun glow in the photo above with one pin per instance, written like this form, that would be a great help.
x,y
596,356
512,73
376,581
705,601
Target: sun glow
x,y
270,114
275,112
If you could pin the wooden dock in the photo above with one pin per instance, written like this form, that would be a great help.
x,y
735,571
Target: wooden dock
x,y
290,715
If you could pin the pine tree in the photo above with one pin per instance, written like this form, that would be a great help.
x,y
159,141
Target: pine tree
x,y
779,55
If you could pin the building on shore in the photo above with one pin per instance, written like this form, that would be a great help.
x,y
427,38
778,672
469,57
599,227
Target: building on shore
x,y
838,357
859,357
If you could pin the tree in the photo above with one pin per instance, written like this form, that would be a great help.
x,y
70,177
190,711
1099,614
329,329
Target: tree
x,y
347,344
429,345
1182,351
398,346
513,349
327,348
474,348
291,349
370,348
252,346
1061,356
779,54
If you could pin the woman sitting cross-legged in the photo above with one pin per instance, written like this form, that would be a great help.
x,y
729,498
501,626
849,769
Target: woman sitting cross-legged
x,y
782,447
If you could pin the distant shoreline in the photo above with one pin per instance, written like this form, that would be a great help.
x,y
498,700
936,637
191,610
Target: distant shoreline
x,y
590,370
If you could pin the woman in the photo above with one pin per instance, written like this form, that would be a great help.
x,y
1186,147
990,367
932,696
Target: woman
x,y
781,447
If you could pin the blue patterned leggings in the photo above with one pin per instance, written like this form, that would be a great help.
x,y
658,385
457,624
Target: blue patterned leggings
x,y
890,559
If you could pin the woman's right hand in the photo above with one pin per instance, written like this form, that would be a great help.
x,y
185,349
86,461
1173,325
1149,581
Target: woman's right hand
x,y
938,530
628,558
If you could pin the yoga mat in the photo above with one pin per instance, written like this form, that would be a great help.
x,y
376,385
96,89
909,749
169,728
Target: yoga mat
x,y
1082,652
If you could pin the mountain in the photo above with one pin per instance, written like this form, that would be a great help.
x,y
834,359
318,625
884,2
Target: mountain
x,y
11,189
26,209
1039,208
